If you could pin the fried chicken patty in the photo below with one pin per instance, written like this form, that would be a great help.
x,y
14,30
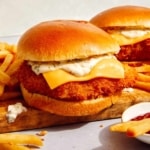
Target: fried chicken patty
x,y
135,52
74,91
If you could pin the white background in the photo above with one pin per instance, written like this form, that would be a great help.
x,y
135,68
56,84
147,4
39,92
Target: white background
x,y
18,15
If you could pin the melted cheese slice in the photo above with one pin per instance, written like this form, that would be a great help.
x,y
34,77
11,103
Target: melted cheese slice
x,y
108,68
125,40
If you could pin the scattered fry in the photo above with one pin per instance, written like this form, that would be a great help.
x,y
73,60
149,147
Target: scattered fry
x,y
8,146
122,127
21,139
132,128
140,128
42,133
12,141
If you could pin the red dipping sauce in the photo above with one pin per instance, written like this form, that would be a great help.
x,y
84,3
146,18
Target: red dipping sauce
x,y
140,117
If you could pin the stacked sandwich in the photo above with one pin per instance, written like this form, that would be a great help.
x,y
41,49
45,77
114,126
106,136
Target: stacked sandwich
x,y
70,68
130,27
77,71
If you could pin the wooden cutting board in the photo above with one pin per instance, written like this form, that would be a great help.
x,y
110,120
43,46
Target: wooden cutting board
x,y
34,118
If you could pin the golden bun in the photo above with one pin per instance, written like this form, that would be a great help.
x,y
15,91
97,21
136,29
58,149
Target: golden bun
x,y
67,108
125,16
60,40
103,108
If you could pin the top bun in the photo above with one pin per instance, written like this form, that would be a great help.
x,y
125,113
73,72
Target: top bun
x,y
130,16
60,40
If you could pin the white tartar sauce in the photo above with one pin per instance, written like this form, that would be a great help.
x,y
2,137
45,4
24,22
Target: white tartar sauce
x,y
128,90
75,67
14,111
134,33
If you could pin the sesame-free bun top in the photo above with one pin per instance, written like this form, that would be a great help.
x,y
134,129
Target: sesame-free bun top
x,y
126,15
59,40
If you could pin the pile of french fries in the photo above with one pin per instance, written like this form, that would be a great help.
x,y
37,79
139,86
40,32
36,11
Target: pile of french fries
x,y
143,78
143,75
15,141
132,128
9,63
8,66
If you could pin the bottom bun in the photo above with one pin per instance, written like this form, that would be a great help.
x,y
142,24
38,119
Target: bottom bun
x,y
67,108
36,118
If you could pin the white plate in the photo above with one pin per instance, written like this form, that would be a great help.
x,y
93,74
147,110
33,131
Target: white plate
x,y
84,136
134,111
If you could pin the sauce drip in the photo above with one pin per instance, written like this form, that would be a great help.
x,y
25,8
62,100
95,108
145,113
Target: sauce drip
x,y
140,117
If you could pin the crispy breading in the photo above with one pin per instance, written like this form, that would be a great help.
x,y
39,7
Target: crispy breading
x,y
75,91
135,52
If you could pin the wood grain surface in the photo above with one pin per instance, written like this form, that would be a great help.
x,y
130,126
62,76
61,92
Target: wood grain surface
x,y
34,118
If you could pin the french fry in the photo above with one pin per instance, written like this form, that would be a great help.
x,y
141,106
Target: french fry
x,y
132,128
4,78
11,48
1,88
2,45
139,128
8,146
14,66
122,127
142,85
143,77
3,54
7,61
21,139
144,68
